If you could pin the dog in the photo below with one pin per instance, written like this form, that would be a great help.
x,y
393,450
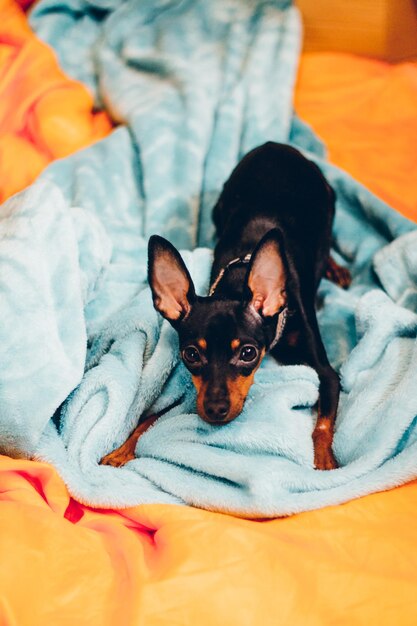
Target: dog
x,y
273,223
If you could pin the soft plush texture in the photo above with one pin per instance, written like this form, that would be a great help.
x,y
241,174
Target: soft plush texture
x,y
198,84
354,563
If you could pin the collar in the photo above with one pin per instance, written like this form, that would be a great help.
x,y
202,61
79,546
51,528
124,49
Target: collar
x,y
242,260
282,318
282,313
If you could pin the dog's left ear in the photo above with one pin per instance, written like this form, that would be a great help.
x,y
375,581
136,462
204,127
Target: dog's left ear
x,y
170,282
267,275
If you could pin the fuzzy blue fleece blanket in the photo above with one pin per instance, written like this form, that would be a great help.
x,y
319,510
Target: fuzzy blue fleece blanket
x,y
194,85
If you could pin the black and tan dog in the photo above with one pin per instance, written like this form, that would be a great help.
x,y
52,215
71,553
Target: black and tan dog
x,y
273,222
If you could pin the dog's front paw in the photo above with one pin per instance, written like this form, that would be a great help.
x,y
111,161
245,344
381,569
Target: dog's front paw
x,y
119,457
126,452
324,459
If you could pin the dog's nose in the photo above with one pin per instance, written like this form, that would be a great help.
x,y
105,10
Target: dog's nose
x,y
217,410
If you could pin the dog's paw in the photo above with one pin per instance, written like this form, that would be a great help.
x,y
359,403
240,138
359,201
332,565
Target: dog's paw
x,y
344,278
324,459
121,456
126,452
338,274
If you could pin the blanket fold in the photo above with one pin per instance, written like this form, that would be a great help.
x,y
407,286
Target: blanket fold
x,y
196,86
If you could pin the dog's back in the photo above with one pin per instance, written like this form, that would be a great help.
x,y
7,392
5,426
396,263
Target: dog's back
x,y
273,220
275,186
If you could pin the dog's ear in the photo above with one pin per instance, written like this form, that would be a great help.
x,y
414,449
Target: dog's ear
x,y
170,282
267,275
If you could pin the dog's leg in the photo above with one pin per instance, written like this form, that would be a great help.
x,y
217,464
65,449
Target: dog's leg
x,y
302,343
324,430
126,452
337,274
329,390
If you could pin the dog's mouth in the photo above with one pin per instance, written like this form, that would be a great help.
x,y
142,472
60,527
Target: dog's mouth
x,y
222,409
217,420
219,412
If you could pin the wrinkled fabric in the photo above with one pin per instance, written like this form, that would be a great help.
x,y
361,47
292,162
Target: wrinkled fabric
x,y
158,564
63,562
192,83
43,114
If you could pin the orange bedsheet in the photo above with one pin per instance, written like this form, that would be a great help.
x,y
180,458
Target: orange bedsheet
x,y
64,564
366,111
43,114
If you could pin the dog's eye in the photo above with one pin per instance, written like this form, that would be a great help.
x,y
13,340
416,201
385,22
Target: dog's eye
x,y
191,355
248,354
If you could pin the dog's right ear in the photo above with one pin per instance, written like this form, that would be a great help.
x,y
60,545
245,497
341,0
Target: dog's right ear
x,y
267,275
170,282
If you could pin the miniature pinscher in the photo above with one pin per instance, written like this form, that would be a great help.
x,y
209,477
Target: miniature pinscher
x,y
273,223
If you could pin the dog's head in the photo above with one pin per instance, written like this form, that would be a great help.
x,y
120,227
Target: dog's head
x,y
222,342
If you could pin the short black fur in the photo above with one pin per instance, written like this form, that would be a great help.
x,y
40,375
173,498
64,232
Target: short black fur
x,y
273,223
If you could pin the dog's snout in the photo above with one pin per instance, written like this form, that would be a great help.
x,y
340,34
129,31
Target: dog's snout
x,y
217,410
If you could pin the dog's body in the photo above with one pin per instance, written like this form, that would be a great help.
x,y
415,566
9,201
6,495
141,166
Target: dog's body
x,y
273,222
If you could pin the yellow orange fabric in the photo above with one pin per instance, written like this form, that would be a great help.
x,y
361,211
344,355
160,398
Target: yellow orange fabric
x,y
63,563
43,114
158,565
366,111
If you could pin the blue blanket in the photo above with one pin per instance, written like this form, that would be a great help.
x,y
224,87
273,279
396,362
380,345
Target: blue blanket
x,y
194,85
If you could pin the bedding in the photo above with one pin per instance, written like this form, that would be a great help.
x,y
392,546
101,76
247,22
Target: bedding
x,y
368,116
98,356
151,564
43,114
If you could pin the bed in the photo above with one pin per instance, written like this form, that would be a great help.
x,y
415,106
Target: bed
x,y
64,562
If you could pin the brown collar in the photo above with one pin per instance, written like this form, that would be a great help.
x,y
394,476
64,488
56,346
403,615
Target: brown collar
x,y
243,260
282,314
